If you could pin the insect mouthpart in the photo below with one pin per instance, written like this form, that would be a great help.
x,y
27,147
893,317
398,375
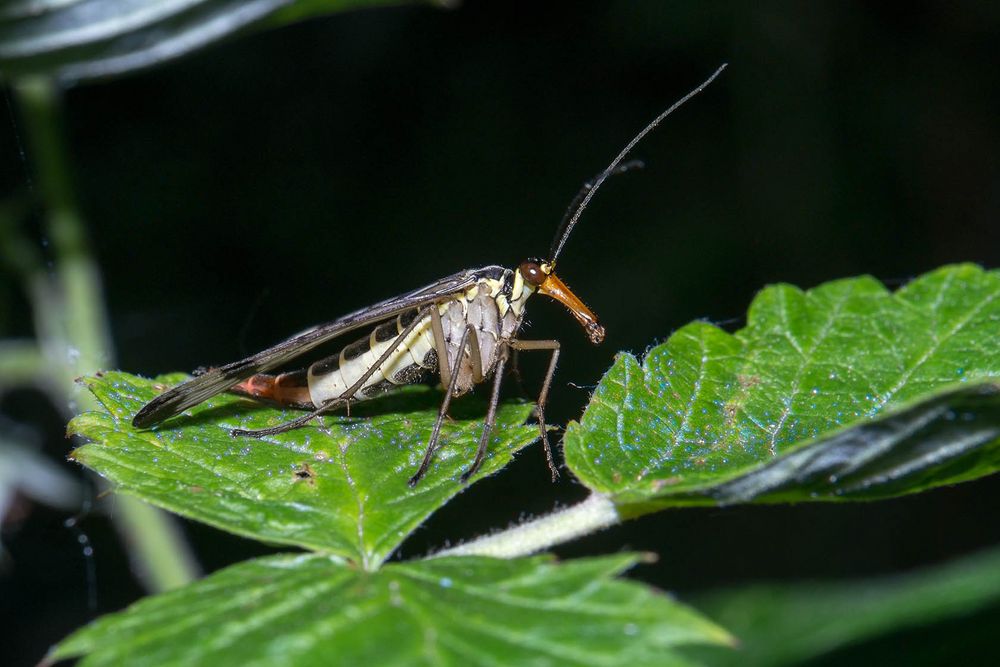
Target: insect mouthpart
x,y
558,290
596,333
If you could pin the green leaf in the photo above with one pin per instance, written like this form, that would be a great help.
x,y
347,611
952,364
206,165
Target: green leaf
x,y
788,624
313,610
337,485
88,39
843,391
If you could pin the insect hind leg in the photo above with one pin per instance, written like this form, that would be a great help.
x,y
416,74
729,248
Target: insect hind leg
x,y
291,389
298,422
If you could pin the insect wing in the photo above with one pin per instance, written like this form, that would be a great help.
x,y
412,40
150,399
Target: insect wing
x,y
219,379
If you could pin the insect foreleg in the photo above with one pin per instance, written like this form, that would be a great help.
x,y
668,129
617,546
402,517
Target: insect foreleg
x,y
436,432
491,412
348,393
543,395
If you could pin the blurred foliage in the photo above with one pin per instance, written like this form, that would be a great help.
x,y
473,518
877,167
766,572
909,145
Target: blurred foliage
x,y
81,40
792,623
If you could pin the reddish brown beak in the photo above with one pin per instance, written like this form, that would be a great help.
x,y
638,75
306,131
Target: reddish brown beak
x,y
556,289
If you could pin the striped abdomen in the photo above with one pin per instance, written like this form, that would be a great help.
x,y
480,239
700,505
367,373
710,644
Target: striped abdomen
x,y
413,359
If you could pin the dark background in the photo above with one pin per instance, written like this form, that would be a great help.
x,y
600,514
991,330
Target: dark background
x,y
284,178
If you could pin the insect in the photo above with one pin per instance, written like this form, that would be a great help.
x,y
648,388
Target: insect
x,y
464,328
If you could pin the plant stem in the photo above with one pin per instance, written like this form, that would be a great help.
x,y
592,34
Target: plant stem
x,y
595,513
80,313
157,549
21,363
72,321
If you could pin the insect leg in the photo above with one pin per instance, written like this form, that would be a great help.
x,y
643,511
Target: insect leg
x,y
436,433
491,413
441,347
543,395
348,393
474,353
286,426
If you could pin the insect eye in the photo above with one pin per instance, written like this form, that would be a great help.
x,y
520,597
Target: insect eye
x,y
532,272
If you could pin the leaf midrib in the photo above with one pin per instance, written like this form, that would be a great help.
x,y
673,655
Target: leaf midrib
x,y
824,331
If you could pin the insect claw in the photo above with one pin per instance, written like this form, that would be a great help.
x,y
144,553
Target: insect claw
x,y
473,469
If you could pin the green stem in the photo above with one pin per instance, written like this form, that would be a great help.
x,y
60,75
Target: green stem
x,y
21,364
72,323
157,549
85,340
595,513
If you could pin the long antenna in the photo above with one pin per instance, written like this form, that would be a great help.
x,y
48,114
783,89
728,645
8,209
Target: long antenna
x,y
623,168
613,167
